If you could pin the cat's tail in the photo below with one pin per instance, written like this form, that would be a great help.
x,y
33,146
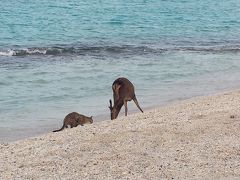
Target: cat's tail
x,y
59,129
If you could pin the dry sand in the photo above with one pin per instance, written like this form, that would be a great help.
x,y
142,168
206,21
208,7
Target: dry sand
x,y
197,138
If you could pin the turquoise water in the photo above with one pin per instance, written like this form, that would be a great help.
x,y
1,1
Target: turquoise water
x,y
62,56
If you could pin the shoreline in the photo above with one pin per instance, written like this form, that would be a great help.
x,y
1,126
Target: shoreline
x,y
35,132
197,138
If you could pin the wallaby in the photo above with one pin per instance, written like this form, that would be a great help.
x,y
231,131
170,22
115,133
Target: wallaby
x,y
74,119
123,91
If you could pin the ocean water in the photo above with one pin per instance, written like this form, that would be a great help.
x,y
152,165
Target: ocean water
x,y
62,56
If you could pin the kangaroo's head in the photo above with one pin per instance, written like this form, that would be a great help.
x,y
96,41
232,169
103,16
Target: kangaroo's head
x,y
113,111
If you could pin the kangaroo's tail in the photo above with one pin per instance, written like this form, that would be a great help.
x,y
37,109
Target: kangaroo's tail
x,y
136,102
59,129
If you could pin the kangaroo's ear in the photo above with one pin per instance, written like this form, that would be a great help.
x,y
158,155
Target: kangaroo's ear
x,y
110,101
91,117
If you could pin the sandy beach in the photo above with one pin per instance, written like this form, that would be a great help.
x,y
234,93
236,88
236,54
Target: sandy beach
x,y
191,139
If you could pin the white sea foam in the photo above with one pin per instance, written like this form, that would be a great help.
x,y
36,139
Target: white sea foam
x,y
22,52
7,53
36,51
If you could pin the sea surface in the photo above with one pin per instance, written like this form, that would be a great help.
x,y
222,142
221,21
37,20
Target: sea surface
x,y
61,56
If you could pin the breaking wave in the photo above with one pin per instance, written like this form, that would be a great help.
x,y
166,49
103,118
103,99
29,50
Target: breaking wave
x,y
109,50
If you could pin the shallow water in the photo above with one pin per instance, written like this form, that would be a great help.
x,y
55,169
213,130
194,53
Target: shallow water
x,y
62,56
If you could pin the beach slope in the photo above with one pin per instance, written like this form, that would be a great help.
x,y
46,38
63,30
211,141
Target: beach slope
x,y
197,138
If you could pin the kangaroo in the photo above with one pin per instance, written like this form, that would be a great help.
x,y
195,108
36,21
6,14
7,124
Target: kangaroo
x,y
74,119
123,91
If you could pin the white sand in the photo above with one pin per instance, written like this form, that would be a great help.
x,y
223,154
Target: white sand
x,y
192,139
